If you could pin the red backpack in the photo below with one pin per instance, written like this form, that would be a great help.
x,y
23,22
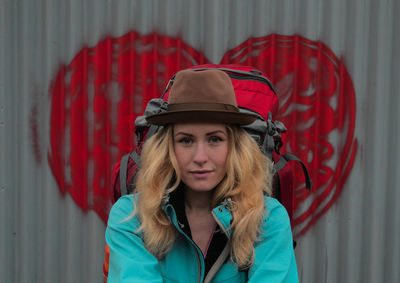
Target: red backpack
x,y
254,94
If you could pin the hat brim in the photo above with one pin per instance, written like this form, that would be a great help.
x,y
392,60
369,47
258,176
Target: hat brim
x,y
206,116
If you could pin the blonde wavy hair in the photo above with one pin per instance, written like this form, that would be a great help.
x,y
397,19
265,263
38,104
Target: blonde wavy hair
x,y
248,177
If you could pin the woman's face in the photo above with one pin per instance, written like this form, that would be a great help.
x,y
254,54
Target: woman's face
x,y
201,151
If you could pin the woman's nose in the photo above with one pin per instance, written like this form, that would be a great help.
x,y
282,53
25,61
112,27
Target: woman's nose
x,y
200,155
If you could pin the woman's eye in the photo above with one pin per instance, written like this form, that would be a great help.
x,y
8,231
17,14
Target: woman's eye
x,y
185,141
215,139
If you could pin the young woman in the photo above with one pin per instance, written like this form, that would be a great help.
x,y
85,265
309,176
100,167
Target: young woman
x,y
200,213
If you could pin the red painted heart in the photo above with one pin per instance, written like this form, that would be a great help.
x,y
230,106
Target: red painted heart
x,y
96,98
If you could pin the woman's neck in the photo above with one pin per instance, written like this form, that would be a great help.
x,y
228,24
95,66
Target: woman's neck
x,y
201,222
198,202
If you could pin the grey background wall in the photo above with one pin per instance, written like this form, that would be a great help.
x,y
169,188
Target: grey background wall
x,y
45,237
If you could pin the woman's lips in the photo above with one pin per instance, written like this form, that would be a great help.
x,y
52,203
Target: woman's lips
x,y
201,174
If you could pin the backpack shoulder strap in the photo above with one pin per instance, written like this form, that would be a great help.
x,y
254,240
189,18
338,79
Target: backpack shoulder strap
x,y
123,170
122,174
290,157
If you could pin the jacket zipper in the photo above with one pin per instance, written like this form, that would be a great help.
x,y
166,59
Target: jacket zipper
x,y
221,259
197,249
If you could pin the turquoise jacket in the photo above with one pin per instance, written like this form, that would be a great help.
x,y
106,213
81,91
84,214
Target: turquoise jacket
x,y
130,261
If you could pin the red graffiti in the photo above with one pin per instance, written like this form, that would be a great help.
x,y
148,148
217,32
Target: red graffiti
x,y
317,105
96,98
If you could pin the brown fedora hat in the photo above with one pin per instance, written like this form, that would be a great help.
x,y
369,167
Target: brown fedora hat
x,y
202,96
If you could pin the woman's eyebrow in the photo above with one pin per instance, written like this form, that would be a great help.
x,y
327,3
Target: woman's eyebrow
x,y
184,134
216,132
207,134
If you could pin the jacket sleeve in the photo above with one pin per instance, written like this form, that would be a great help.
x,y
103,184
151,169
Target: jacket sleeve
x,y
129,261
274,254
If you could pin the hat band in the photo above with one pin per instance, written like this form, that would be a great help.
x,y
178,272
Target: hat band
x,y
202,106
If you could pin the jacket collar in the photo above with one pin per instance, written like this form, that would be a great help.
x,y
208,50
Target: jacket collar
x,y
222,213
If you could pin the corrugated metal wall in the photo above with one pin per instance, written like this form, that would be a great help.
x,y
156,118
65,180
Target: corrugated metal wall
x,y
47,236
